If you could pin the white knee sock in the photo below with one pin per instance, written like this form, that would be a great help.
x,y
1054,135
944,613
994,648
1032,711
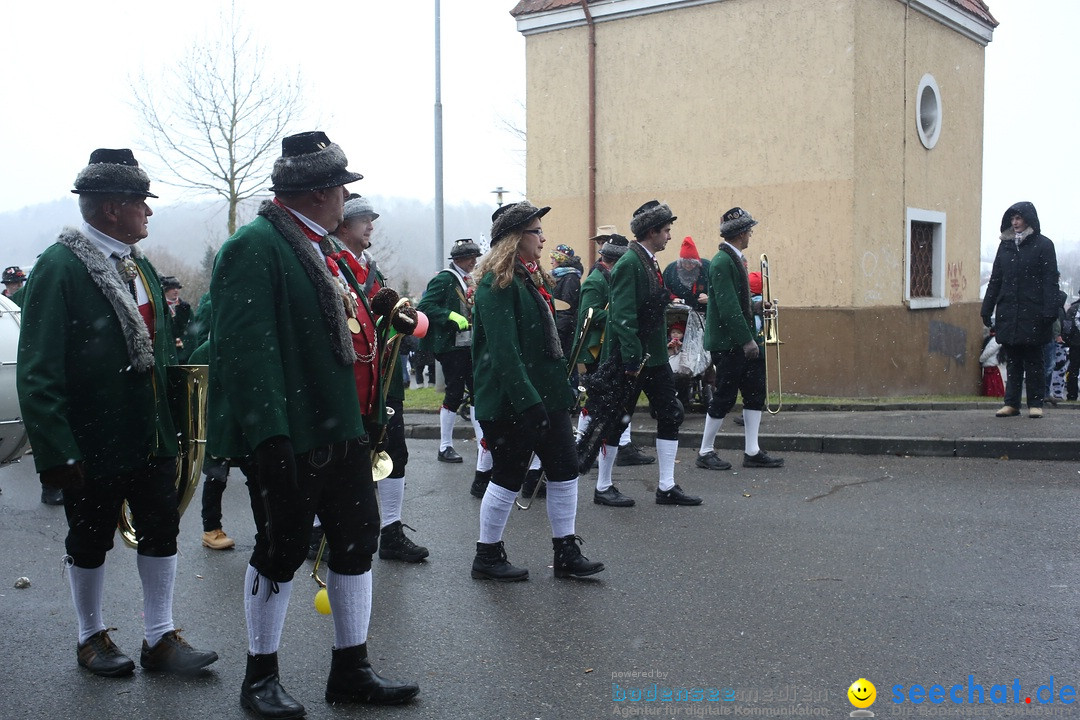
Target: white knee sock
x,y
494,512
158,575
606,462
625,438
87,589
708,438
583,424
265,611
665,458
483,459
477,430
562,507
391,494
751,423
350,606
446,428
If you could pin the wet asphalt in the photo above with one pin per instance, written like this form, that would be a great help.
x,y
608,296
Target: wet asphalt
x,y
772,597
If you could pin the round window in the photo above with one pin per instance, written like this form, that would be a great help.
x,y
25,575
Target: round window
x,y
928,111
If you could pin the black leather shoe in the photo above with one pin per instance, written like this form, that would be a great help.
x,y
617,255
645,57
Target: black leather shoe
x,y
449,455
761,460
353,680
172,654
100,656
490,563
52,495
711,461
569,562
262,692
531,478
675,496
395,545
480,483
612,498
630,454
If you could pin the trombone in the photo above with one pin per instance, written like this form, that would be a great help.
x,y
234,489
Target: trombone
x,y
771,331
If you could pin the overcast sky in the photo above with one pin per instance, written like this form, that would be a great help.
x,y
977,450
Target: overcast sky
x,y
369,68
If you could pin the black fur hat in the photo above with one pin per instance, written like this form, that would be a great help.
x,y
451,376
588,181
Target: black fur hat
x,y
510,217
652,214
464,248
113,172
309,161
735,222
615,246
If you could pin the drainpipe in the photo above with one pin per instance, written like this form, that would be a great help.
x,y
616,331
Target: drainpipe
x,y
592,119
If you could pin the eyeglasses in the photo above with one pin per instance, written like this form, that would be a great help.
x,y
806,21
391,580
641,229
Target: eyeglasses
x,y
537,231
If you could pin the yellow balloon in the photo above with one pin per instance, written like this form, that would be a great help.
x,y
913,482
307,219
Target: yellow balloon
x,y
322,602
862,693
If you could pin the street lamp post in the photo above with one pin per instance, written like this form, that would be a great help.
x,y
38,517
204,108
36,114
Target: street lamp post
x,y
498,192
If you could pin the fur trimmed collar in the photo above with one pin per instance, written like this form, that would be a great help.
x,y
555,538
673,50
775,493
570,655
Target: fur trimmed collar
x,y
1011,236
326,289
552,346
107,278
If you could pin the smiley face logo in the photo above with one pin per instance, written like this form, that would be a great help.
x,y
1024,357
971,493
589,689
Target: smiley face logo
x,y
862,693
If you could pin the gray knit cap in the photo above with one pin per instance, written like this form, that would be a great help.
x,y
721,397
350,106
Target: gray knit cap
x,y
464,248
735,222
513,216
652,214
357,206
309,161
113,172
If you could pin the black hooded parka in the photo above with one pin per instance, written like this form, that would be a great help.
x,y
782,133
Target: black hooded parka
x,y
1023,288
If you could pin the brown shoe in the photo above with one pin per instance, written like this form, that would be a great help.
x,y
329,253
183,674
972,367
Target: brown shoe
x,y
173,654
217,540
1007,411
1035,412
100,656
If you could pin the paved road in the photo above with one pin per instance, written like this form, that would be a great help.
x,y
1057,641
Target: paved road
x,y
781,590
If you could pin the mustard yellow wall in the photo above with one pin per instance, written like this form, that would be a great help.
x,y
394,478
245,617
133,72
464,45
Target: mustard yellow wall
x,y
802,113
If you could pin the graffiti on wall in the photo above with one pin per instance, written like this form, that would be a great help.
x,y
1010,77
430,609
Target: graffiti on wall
x,y
948,340
956,280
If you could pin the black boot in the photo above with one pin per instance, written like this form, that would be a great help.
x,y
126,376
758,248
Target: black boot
x,y
262,691
480,483
353,680
394,545
569,562
490,563
531,478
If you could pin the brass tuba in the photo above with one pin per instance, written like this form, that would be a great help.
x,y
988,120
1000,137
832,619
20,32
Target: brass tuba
x,y
771,330
186,395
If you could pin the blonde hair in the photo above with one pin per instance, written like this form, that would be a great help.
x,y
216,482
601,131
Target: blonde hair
x,y
501,260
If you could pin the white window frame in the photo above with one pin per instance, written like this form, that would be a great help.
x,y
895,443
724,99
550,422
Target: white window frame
x,y
939,299
928,88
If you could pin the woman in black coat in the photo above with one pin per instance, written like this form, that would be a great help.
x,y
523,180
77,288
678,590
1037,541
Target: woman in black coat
x,y
1021,300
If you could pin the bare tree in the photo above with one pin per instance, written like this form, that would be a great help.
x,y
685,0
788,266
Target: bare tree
x,y
215,120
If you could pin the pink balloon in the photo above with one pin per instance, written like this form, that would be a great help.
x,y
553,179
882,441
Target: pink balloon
x,y
421,325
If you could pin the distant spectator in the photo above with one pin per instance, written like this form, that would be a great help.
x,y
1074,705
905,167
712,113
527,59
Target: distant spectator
x,y
14,279
688,277
567,270
181,314
1023,296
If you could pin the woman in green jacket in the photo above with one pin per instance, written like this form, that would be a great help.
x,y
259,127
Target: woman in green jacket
x,y
522,395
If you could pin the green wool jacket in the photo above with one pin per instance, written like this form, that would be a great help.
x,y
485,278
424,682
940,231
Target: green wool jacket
x,y
729,322
595,293
440,299
278,344
85,396
629,294
511,369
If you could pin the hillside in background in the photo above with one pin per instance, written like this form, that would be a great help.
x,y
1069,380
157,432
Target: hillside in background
x,y
181,234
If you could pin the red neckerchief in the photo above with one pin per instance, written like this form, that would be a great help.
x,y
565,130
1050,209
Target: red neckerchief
x,y
534,271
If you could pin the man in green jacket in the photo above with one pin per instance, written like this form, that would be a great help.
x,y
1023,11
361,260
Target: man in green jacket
x,y
96,337
635,328
448,302
735,342
291,345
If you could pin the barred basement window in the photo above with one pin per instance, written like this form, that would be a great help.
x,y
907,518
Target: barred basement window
x,y
924,255
922,259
